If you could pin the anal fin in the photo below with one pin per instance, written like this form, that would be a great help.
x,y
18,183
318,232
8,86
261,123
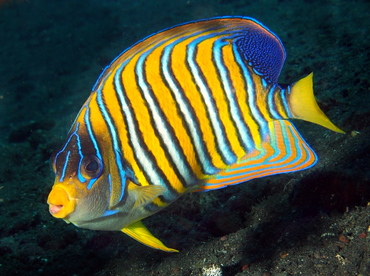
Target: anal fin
x,y
283,151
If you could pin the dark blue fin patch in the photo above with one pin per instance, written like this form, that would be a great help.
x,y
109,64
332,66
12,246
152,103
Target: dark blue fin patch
x,y
263,51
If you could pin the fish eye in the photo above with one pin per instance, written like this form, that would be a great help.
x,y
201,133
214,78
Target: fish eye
x,y
91,166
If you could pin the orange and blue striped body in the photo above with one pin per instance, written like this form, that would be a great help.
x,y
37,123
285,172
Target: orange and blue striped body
x,y
195,107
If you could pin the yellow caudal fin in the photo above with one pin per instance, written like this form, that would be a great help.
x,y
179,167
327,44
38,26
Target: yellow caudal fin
x,y
140,233
303,104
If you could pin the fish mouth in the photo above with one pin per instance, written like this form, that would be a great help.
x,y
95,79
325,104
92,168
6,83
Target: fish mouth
x,y
61,205
54,209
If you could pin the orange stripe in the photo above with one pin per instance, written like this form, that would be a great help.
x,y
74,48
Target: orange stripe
x,y
167,105
181,73
261,170
208,67
143,117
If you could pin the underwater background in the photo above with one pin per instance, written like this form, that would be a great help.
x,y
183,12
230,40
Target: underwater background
x,y
314,222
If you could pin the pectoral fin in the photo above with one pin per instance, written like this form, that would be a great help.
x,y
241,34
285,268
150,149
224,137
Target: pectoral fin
x,y
146,194
140,233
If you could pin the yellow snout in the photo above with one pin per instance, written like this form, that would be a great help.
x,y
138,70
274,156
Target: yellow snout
x,y
60,203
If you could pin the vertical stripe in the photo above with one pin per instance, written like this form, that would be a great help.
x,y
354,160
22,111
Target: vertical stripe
x,y
66,162
186,111
220,55
93,140
143,156
197,115
116,148
284,101
163,129
271,103
90,131
63,174
79,149
251,91
213,114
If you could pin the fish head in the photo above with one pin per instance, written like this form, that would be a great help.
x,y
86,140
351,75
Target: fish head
x,y
78,191
87,187
71,198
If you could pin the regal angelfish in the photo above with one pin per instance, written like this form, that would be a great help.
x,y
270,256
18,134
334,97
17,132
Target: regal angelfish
x,y
195,107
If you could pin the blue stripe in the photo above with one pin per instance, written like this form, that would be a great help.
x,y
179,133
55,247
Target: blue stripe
x,y
92,137
109,213
213,114
91,183
235,111
305,145
195,132
263,128
79,175
288,147
160,122
116,148
65,167
285,102
273,167
74,133
264,83
91,134
134,133
271,105
110,186
123,176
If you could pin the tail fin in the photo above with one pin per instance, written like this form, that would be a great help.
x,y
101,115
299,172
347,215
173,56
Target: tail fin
x,y
303,104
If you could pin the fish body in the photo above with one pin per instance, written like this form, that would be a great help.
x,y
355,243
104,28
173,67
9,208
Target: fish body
x,y
195,107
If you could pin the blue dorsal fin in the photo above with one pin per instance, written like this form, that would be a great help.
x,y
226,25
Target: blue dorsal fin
x,y
283,151
263,51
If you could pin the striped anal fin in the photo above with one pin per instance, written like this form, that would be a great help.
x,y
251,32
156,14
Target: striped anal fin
x,y
284,151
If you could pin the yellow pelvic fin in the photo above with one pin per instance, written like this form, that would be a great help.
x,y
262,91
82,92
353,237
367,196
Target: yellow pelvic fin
x,y
303,104
146,194
139,232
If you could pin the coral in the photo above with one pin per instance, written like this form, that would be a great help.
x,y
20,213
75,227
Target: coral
x,y
212,270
